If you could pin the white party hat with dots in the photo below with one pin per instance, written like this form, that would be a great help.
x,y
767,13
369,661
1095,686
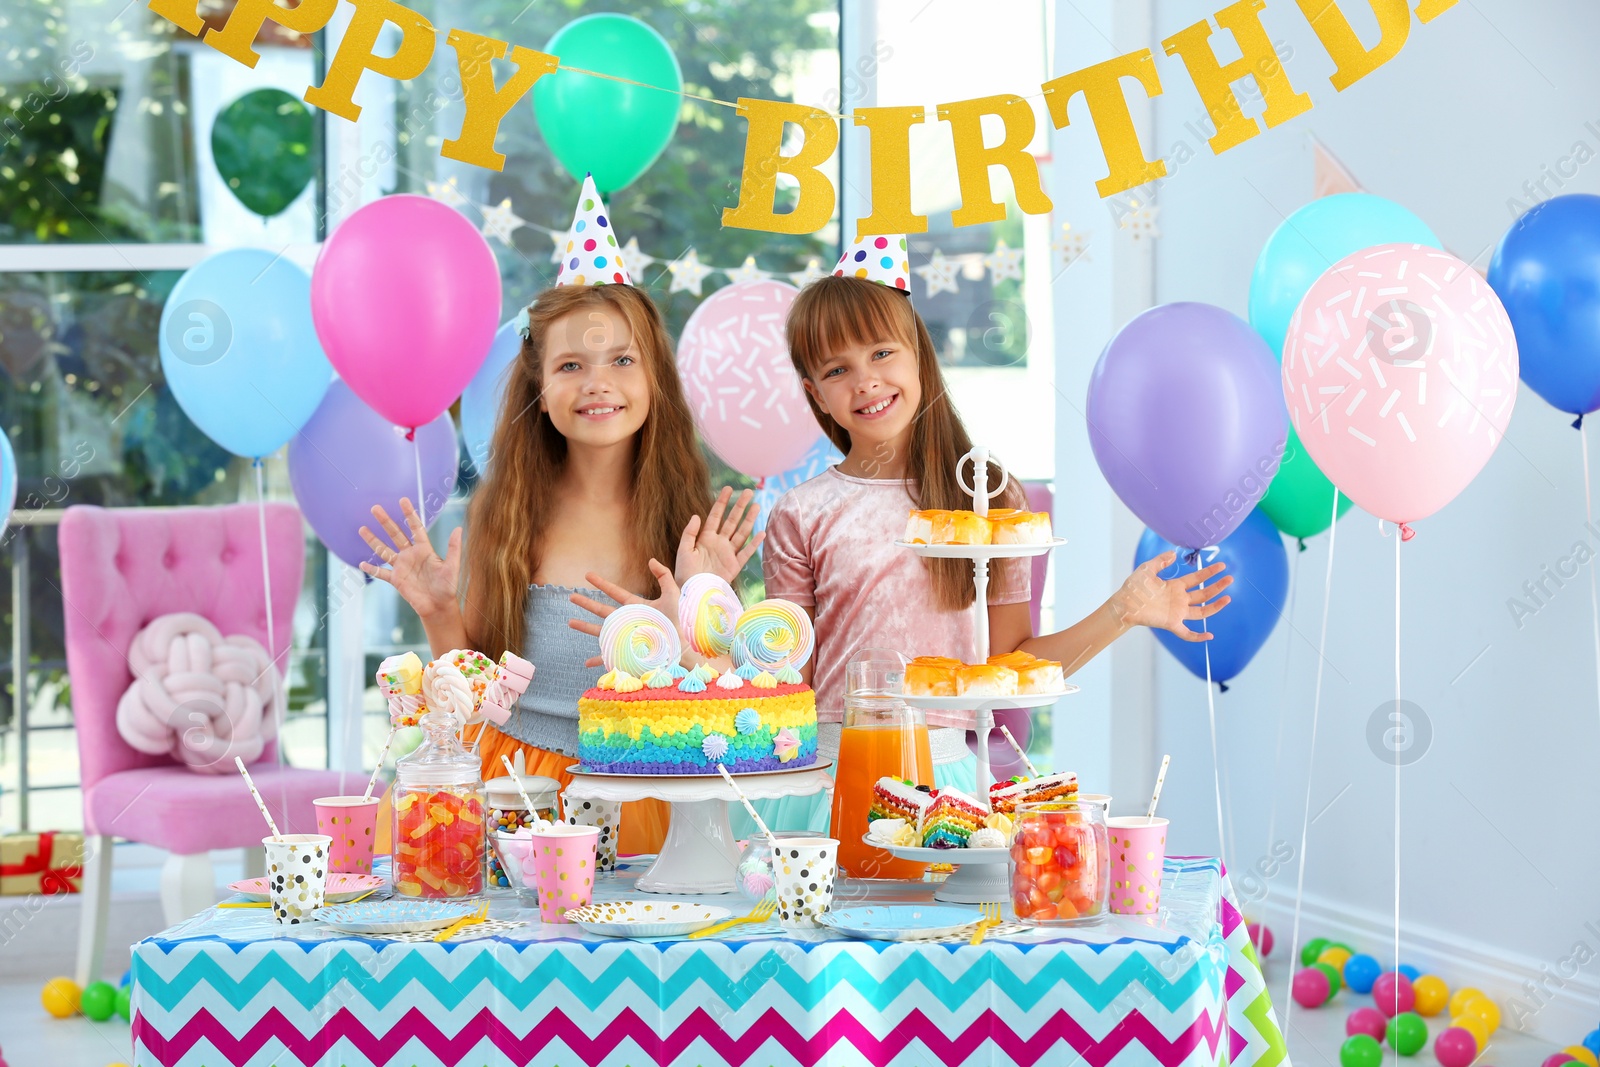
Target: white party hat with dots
x,y
880,258
592,255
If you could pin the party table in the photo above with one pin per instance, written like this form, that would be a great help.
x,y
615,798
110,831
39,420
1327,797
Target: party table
x,y
1181,988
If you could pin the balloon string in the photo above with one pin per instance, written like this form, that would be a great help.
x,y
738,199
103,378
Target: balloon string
x,y
1588,516
1283,704
1216,768
422,505
266,570
1397,725
1311,759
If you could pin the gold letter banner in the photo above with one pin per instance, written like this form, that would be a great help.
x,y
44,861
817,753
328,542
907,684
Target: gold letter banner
x,y
758,187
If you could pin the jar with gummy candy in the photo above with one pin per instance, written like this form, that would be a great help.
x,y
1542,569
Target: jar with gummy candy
x,y
439,833
1060,862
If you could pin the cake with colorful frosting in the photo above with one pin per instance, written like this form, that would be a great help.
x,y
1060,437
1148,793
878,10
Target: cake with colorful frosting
x,y
649,715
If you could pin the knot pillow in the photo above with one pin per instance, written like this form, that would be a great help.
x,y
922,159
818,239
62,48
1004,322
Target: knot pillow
x,y
198,696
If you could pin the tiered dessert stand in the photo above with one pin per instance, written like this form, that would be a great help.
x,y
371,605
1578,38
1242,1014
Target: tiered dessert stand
x,y
699,854
985,880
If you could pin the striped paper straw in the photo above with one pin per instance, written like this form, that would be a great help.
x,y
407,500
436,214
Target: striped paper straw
x,y
265,814
383,755
1161,778
1026,762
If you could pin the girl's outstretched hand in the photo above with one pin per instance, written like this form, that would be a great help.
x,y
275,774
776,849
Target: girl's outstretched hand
x,y
1147,599
427,582
666,603
721,542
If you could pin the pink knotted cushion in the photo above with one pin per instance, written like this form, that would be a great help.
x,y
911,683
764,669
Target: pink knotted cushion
x,y
198,696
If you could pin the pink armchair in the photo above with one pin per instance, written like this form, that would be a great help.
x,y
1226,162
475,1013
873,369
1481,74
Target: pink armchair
x,y
121,568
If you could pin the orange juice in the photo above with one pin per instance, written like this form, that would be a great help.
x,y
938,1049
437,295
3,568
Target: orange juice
x,y
867,753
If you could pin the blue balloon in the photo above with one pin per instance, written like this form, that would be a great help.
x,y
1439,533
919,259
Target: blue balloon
x,y
8,480
1546,272
1313,239
239,351
1260,568
480,400
1360,971
823,455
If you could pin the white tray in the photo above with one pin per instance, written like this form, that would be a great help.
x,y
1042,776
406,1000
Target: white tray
x,y
983,551
970,703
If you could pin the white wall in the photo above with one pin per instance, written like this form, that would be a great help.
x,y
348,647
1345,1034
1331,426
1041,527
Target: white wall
x,y
1501,854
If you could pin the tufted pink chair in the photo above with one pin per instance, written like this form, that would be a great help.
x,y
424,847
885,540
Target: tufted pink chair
x,y
121,568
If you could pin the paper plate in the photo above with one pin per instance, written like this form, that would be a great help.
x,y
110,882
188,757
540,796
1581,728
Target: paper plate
x,y
393,916
647,918
899,922
341,887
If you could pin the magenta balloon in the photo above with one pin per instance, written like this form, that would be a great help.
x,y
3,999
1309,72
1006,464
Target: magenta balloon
x,y
406,299
347,458
746,398
1186,419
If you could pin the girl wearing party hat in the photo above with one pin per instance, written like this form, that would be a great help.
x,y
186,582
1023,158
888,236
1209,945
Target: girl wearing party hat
x,y
596,470
872,378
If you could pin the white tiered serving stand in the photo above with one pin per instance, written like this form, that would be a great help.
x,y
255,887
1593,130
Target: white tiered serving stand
x,y
988,879
699,854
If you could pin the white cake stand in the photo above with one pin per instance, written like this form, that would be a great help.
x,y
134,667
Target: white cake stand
x,y
981,874
699,855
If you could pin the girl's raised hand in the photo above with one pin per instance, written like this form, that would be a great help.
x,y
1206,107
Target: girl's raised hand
x,y
1147,599
722,542
427,582
666,603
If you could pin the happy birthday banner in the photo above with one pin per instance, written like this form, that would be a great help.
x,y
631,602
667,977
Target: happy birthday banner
x,y
888,128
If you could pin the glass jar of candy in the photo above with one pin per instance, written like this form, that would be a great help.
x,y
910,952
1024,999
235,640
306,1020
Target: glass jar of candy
x,y
508,812
1060,862
439,838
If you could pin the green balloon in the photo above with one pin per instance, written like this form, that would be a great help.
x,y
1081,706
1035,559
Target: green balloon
x,y
125,1003
99,1001
601,127
261,145
1300,499
1408,1033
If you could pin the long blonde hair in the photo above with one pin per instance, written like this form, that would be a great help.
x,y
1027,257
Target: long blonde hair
x,y
837,311
513,507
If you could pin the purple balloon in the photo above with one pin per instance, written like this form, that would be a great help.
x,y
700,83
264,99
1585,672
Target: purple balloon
x,y
1003,759
1186,419
347,458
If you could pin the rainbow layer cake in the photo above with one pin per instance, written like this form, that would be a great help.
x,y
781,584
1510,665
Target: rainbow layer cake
x,y
1005,796
951,819
895,798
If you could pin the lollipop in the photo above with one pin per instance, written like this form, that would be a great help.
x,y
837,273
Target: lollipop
x,y
638,640
707,610
774,636
446,689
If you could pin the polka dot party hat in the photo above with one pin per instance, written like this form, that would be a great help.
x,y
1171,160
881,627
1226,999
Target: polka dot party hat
x,y
880,258
592,256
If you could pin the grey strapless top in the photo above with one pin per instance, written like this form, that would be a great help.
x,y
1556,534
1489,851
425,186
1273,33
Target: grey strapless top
x,y
547,715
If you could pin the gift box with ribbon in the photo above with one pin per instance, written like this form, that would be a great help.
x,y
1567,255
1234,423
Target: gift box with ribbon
x,y
44,862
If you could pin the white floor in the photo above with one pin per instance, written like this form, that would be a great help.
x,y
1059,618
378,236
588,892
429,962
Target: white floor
x,y
36,945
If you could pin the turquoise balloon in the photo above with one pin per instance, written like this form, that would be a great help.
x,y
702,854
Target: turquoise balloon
x,y
597,126
239,350
1313,239
8,480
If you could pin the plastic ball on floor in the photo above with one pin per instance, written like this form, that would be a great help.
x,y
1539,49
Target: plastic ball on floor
x,y
1556,1059
1261,938
1360,1050
1455,1047
60,997
1461,996
1474,1026
1483,1008
1431,995
1360,971
1409,971
1369,1021
1311,950
1582,1055
98,1001
1311,988
1336,956
1407,1033
1335,983
1591,1041
1392,993
125,1003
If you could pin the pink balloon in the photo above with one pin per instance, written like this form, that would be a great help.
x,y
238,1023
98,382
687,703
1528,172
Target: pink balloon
x,y
406,299
746,398
1400,371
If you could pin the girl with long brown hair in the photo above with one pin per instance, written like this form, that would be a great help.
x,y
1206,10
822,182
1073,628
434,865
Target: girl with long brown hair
x,y
594,471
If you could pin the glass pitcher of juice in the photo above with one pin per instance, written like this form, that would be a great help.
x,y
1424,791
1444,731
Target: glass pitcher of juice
x,y
882,736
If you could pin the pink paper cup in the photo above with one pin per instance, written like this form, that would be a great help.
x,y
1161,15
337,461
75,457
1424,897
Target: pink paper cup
x,y
1138,849
352,823
564,868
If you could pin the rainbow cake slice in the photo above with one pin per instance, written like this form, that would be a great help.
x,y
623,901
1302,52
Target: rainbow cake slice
x,y
951,820
669,731
895,798
1062,786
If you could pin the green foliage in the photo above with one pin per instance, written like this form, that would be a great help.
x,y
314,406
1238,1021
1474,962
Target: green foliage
x,y
53,169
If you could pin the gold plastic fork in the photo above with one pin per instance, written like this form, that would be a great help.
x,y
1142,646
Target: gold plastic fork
x,y
760,913
466,920
991,917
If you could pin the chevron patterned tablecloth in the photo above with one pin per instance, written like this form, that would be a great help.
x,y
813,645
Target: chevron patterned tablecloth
x,y
1182,988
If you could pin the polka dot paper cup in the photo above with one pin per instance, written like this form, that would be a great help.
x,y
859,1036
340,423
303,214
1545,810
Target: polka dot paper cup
x,y
804,869
352,823
297,875
564,869
603,815
1138,849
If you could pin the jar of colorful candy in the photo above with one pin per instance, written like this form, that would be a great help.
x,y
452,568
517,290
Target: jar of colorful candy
x,y
508,812
439,837
1060,862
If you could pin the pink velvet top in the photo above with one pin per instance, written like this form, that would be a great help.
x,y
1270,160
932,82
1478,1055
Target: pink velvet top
x,y
830,547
